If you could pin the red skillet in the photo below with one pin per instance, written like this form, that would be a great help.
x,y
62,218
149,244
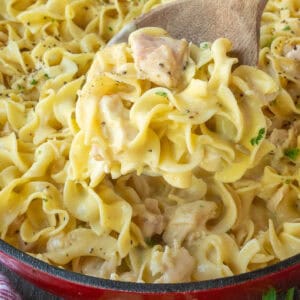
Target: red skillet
x,y
71,285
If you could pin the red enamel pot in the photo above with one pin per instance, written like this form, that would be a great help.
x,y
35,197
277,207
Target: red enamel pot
x,y
71,285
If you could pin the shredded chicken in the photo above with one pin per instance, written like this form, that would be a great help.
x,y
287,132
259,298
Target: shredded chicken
x,y
188,218
294,53
159,59
149,218
278,137
296,127
174,265
115,122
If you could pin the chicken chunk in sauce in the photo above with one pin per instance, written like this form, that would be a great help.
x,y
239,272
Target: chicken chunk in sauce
x,y
294,53
115,122
173,265
279,137
188,218
159,59
149,217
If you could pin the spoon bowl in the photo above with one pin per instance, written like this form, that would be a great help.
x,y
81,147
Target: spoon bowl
x,y
204,21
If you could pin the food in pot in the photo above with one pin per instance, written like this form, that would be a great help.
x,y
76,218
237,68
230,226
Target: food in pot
x,y
153,161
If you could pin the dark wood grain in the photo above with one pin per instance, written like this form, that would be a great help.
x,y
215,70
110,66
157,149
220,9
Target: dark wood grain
x,y
27,290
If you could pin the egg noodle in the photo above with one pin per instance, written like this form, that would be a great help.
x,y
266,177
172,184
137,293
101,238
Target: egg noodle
x,y
111,174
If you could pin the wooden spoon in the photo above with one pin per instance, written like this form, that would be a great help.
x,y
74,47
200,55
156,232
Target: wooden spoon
x,y
206,20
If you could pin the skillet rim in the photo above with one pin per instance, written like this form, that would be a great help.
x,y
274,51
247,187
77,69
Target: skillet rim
x,y
123,286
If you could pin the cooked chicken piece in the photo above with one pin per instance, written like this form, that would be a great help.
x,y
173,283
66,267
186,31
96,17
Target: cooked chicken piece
x,y
279,136
149,218
115,122
296,127
175,265
159,59
294,53
188,218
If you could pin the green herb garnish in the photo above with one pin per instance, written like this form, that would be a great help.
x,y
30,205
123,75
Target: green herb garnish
x,y
46,76
287,27
292,153
110,28
20,87
204,46
162,94
290,294
256,140
270,295
33,82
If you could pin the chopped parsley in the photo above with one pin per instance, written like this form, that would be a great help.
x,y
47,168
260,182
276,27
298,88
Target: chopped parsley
x,y
204,46
292,153
110,28
33,82
256,140
162,94
286,28
270,295
290,294
20,87
46,76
